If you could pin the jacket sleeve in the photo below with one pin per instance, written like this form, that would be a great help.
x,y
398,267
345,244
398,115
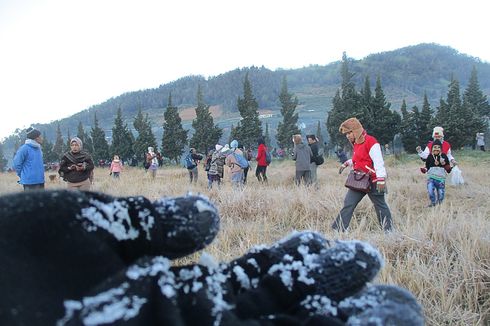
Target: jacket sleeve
x,y
378,162
19,159
423,155
90,164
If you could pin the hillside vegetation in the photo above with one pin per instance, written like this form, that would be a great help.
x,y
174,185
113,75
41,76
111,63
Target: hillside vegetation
x,y
405,73
440,254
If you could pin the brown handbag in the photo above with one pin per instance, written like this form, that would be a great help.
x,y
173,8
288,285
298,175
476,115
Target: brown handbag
x,y
359,181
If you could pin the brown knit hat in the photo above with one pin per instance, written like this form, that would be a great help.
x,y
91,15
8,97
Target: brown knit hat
x,y
352,124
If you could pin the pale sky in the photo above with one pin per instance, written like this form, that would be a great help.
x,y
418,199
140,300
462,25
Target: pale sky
x,y
59,57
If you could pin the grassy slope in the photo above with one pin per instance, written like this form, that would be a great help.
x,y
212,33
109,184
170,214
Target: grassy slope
x,y
441,254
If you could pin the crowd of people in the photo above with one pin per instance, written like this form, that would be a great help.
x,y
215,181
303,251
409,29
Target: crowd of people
x,y
367,166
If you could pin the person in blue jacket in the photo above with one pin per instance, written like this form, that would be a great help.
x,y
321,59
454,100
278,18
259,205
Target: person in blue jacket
x,y
28,161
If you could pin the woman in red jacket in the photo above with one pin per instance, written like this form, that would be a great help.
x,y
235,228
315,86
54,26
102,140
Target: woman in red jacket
x,y
367,158
260,171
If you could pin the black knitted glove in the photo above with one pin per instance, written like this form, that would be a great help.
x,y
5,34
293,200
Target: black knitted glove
x,y
82,258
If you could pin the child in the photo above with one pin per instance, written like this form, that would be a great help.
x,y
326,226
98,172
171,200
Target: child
x,y
116,167
436,167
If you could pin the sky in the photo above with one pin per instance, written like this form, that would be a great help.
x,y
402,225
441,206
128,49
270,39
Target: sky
x,y
60,57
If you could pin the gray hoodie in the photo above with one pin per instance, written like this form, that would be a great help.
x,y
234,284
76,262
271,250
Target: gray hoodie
x,y
302,154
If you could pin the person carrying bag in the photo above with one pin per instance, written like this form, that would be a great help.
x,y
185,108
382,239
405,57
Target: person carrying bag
x,y
366,178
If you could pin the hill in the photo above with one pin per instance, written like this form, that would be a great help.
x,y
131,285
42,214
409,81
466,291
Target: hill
x,y
405,73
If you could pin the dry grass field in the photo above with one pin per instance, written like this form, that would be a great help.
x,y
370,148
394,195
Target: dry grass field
x,y
440,254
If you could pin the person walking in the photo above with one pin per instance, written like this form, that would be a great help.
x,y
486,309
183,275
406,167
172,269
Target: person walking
x,y
76,166
316,159
480,140
437,134
261,169
437,167
116,167
216,160
302,154
28,161
192,161
236,169
152,162
367,158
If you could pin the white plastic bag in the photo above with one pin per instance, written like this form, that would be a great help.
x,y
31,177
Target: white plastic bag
x,y
456,176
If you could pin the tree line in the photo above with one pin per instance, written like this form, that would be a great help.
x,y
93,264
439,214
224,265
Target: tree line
x,y
461,117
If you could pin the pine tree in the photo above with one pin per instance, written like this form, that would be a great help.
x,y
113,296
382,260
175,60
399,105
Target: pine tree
x,y
122,138
145,137
206,134
85,138
68,140
367,102
58,143
441,115
426,121
3,160
289,124
249,129
347,103
174,136
407,129
101,147
267,136
475,101
459,119
232,132
47,148
319,134
383,121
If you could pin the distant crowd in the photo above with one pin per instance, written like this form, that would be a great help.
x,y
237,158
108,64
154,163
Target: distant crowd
x,y
367,175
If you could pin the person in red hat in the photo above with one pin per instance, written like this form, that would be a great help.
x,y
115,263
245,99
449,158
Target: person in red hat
x,y
437,134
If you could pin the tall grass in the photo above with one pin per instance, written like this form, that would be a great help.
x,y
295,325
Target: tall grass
x,y
440,254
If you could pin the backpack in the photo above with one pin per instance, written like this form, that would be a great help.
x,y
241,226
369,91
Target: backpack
x,y
189,162
319,160
148,159
268,157
207,166
241,160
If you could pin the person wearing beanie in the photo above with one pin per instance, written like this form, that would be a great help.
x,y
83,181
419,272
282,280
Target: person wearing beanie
x,y
437,133
366,158
215,162
437,167
76,166
192,161
231,161
28,161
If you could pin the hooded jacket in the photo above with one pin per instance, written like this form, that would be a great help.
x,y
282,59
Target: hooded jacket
x,y
28,163
302,155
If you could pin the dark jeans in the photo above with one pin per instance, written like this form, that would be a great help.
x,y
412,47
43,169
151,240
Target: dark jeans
x,y
260,173
352,198
303,175
34,187
245,173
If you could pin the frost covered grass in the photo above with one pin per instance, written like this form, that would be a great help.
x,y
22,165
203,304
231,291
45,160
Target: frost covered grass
x,y
441,254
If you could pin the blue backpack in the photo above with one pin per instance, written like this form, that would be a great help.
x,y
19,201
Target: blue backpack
x,y
268,157
241,160
189,162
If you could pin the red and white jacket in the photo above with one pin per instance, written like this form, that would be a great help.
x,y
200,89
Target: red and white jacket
x,y
367,157
446,149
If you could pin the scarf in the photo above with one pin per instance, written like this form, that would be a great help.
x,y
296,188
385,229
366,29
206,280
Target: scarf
x,y
78,157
